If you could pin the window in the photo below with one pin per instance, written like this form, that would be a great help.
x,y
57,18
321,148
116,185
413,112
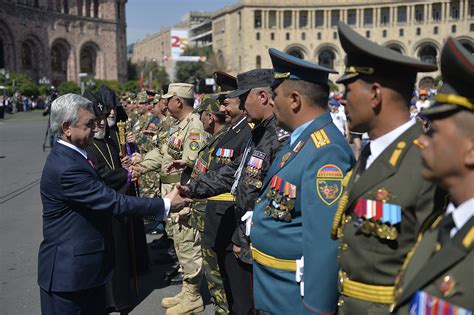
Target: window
x,y
303,19
471,27
258,62
454,11
303,36
351,17
257,35
319,19
272,36
435,30
367,34
384,33
368,16
334,35
287,19
419,13
240,20
257,19
418,31
384,16
272,19
287,36
428,54
471,9
402,14
453,29
401,32
65,6
436,12
335,14
326,58
318,36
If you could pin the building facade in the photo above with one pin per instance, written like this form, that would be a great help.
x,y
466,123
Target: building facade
x,y
242,33
59,39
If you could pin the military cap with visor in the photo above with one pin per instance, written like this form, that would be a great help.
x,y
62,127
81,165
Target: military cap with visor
x,y
184,90
457,91
288,67
366,58
252,79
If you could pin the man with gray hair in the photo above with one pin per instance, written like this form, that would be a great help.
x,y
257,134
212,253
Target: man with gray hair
x,y
75,257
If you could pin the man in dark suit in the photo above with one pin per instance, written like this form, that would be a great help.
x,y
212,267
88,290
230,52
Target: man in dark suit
x,y
75,257
387,199
437,277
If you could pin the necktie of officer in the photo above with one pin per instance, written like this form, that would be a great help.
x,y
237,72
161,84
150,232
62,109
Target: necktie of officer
x,y
363,159
444,229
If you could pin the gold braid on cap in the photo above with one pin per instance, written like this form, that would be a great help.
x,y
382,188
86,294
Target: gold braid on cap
x,y
284,75
359,70
336,228
455,100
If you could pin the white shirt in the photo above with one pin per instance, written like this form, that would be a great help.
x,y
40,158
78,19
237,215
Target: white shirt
x,y
461,215
166,201
379,145
339,119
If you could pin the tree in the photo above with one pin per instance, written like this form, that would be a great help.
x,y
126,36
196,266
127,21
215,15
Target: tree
x,y
132,71
69,87
152,70
195,72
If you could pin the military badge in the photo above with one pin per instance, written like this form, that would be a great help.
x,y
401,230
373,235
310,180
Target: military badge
x,y
194,136
382,195
329,183
447,286
194,145
384,216
224,156
281,196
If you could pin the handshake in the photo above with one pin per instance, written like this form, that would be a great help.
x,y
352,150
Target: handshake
x,y
179,197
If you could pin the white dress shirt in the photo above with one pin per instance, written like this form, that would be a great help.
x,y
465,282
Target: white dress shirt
x,y
166,201
379,145
461,215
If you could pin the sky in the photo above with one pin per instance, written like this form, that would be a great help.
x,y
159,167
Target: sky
x,y
145,17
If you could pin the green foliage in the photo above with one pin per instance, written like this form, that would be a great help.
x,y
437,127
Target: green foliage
x,y
113,84
195,72
28,89
333,87
69,87
153,69
131,86
132,70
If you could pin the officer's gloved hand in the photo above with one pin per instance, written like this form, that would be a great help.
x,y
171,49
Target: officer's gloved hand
x,y
247,218
299,274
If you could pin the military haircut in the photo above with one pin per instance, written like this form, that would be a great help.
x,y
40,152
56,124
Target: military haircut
x,y
464,122
401,84
187,101
318,94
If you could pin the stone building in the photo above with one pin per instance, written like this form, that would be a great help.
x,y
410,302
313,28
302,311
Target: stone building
x,y
242,33
59,39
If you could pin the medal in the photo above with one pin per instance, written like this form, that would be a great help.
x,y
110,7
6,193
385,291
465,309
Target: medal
x,y
268,210
258,184
447,285
392,233
287,217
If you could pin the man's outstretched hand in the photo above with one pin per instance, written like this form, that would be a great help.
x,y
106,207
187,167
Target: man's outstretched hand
x,y
177,200
183,190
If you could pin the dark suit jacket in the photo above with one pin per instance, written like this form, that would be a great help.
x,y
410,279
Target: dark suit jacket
x,y
76,251
220,219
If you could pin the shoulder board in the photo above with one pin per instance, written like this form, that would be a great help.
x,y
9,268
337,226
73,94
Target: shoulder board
x,y
320,138
397,152
469,238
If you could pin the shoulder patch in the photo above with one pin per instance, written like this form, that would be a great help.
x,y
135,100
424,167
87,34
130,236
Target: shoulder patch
x,y
194,145
194,135
329,183
320,138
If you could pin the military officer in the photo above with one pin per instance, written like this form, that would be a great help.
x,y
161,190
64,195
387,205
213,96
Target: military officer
x,y
298,199
387,199
184,143
437,276
243,177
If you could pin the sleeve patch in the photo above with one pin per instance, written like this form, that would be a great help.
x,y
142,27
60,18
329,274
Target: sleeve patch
x,y
194,145
329,183
320,138
194,136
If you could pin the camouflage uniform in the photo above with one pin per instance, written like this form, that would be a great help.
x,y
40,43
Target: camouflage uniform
x,y
210,264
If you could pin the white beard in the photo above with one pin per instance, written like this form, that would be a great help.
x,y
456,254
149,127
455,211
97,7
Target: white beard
x,y
100,134
111,121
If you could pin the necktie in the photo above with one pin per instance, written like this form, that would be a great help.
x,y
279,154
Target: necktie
x,y
444,228
363,159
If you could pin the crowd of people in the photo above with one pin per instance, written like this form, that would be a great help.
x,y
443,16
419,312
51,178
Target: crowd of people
x,y
257,189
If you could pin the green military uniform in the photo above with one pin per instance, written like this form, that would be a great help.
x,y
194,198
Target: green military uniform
x,y
437,276
385,205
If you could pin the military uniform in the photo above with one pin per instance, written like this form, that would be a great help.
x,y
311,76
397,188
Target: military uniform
x,y
379,218
437,276
295,207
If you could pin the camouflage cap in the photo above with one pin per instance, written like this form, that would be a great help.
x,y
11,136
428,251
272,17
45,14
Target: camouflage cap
x,y
210,103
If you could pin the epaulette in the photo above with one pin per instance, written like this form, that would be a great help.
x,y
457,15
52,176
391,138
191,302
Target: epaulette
x,y
397,152
320,138
469,238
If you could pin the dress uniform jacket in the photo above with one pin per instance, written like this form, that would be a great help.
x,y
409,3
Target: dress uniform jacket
x,y
292,218
262,147
220,220
438,280
385,209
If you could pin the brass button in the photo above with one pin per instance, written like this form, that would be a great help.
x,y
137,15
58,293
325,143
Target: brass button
x,y
340,302
348,219
343,246
259,200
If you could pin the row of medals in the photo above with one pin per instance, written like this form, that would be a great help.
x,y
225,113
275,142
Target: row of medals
x,y
174,151
253,177
377,228
280,206
224,160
